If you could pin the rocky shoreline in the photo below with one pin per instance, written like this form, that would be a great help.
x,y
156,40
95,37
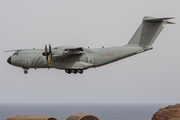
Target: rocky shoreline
x,y
171,112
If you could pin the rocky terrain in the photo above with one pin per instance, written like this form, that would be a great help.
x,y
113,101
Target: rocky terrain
x,y
171,112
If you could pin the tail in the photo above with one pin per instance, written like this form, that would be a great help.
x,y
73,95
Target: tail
x,y
148,31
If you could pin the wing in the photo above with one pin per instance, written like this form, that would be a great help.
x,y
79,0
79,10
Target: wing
x,y
70,51
14,50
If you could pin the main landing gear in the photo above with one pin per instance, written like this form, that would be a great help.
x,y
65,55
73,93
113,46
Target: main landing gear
x,y
69,71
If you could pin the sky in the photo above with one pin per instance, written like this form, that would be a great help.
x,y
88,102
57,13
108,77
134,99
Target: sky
x,y
150,77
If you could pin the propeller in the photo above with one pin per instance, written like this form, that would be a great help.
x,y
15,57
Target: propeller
x,y
48,55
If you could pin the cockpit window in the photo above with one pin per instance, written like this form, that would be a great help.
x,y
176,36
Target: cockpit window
x,y
16,53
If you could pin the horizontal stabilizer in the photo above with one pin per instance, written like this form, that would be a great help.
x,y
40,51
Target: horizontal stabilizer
x,y
151,19
170,22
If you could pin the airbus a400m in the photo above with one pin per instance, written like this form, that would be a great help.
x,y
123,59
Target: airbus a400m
x,y
77,59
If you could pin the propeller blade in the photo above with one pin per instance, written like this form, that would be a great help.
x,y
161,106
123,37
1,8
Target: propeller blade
x,y
48,54
50,48
46,50
49,61
46,57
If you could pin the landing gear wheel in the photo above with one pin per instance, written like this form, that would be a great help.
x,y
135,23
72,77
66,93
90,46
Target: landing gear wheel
x,y
25,71
68,71
80,71
75,71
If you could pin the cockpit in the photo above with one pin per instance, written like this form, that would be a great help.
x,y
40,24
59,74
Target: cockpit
x,y
16,53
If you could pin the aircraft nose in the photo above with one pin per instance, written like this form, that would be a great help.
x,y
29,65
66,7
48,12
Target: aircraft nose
x,y
9,60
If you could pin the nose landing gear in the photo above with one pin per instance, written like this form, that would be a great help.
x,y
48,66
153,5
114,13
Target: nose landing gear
x,y
25,71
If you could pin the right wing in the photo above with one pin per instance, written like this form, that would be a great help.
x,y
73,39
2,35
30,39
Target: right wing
x,y
70,51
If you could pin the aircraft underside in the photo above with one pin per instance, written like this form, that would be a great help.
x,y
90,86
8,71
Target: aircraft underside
x,y
69,71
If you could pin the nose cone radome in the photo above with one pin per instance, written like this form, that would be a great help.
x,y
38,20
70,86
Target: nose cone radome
x,y
9,60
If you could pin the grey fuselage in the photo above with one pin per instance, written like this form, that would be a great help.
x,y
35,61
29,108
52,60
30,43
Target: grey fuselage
x,y
33,58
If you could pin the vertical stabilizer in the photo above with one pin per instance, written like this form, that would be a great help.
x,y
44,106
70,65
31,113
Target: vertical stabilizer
x,y
148,31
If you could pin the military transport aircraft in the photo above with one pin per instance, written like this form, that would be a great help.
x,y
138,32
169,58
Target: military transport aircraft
x,y
76,59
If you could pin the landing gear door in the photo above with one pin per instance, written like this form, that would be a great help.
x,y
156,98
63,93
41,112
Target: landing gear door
x,y
27,62
90,59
